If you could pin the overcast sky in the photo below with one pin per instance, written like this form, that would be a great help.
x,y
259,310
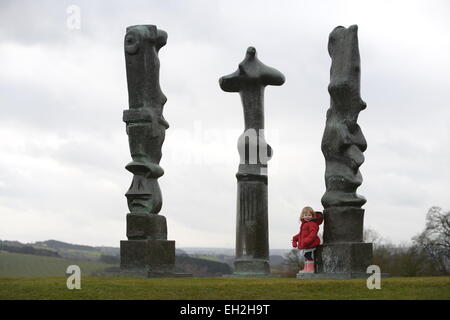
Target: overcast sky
x,y
63,144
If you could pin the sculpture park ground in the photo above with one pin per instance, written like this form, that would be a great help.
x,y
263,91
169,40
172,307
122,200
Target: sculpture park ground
x,y
99,288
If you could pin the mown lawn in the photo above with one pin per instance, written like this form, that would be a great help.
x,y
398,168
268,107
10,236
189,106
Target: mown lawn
x,y
224,288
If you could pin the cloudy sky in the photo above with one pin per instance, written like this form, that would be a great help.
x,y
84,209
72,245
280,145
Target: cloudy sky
x,y
63,90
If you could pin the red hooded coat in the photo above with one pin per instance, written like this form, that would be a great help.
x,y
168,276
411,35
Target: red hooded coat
x,y
307,237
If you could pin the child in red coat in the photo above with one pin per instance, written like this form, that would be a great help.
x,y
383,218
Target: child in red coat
x,y
307,239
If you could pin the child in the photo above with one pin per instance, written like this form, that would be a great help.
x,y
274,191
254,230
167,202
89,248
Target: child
x,y
307,239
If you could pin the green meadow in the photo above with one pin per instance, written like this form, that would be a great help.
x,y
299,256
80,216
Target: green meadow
x,y
27,265
24,276
415,288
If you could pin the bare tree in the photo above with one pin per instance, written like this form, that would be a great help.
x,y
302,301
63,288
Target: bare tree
x,y
434,241
292,262
372,236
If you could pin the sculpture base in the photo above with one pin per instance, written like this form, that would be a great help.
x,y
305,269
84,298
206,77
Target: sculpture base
x,y
343,224
149,258
338,275
343,258
143,274
251,267
251,275
146,226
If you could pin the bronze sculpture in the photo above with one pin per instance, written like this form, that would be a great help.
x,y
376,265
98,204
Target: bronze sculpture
x,y
252,239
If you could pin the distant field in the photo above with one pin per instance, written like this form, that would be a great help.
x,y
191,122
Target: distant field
x,y
85,253
224,288
27,265
72,253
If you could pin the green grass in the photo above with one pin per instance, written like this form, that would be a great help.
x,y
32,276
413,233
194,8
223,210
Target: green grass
x,y
224,288
27,265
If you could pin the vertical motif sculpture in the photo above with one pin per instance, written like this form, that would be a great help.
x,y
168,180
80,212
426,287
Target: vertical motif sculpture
x,y
252,239
146,125
343,145
147,247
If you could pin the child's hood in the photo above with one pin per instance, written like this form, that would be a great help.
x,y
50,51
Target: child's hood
x,y
318,219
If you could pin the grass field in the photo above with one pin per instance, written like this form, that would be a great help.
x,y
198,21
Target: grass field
x,y
224,288
27,265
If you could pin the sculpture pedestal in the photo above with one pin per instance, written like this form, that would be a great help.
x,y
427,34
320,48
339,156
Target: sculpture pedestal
x,y
251,267
350,257
343,225
146,226
147,257
147,252
343,275
341,261
252,239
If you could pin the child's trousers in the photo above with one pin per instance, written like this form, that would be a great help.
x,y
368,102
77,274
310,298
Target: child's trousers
x,y
308,254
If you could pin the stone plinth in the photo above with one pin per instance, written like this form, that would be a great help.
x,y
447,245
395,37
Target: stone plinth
x,y
343,224
147,257
146,226
251,266
343,257
252,237
341,261
338,275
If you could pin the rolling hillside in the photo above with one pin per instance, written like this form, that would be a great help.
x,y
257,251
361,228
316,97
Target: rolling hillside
x,y
28,265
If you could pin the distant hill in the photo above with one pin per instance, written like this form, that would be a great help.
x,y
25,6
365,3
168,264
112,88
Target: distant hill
x,y
198,261
201,267
103,260
64,245
28,265
227,251
17,247
59,245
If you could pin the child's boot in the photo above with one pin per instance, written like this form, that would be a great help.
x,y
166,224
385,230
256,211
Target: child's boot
x,y
309,267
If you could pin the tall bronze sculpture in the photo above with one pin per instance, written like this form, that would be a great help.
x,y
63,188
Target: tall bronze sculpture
x,y
147,249
343,253
252,238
